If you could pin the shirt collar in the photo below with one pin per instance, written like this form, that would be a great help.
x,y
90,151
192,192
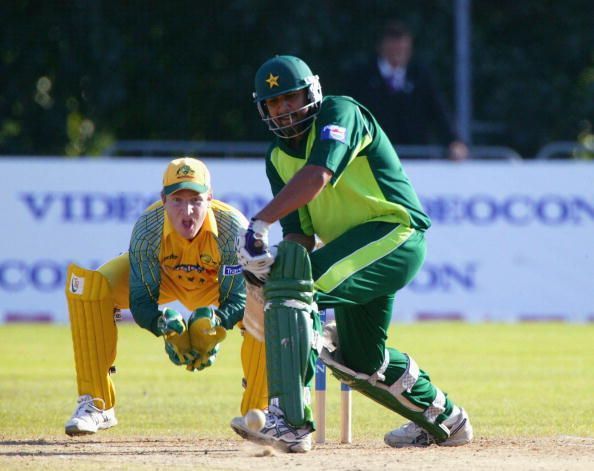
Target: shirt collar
x,y
387,71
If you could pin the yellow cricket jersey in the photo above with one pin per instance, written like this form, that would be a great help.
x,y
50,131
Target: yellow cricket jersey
x,y
165,267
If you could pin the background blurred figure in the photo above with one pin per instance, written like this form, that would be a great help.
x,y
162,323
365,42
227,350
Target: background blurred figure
x,y
401,93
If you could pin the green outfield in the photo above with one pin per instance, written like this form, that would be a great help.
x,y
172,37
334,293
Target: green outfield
x,y
525,380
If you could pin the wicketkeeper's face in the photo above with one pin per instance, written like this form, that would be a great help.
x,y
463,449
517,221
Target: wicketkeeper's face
x,y
187,211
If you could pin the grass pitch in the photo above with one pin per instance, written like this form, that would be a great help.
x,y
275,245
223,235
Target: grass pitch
x,y
515,380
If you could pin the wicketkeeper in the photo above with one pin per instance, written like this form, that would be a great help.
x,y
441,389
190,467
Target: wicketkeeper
x,y
181,249
335,175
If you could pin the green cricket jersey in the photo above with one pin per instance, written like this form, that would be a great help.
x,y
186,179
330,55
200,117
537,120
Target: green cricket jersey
x,y
369,183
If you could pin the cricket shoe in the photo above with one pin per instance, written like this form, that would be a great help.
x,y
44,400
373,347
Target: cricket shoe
x,y
276,432
411,434
88,418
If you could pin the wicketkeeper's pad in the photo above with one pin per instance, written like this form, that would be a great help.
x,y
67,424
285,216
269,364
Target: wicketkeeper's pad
x,y
389,396
253,362
253,316
94,332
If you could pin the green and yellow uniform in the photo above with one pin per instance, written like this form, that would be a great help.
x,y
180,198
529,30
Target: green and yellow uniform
x,y
165,267
372,225
162,267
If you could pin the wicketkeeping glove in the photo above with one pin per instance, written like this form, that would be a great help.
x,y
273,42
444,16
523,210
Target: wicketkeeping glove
x,y
179,355
253,252
172,326
171,322
205,333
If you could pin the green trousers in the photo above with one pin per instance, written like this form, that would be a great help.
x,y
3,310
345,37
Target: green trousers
x,y
358,275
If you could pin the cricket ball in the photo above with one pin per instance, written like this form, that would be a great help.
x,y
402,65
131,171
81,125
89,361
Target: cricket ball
x,y
255,419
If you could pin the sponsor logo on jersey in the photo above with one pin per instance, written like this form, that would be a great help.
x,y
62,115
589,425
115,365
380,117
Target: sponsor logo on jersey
x,y
230,270
332,132
185,267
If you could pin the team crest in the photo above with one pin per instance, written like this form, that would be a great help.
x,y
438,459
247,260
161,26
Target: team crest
x,y
185,171
272,80
77,284
206,259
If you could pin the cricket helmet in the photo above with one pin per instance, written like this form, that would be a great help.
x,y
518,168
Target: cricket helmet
x,y
281,75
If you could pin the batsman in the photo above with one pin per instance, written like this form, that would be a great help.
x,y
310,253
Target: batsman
x,y
181,249
335,176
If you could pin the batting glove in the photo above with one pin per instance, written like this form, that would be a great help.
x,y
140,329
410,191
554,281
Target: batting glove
x,y
253,252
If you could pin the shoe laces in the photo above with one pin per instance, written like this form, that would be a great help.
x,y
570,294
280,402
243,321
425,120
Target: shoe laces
x,y
85,402
421,435
411,427
275,418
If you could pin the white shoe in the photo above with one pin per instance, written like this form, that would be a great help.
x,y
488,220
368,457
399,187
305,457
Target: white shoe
x,y
411,434
461,431
276,432
88,418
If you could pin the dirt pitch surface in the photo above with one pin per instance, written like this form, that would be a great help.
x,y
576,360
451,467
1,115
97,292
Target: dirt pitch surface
x,y
561,453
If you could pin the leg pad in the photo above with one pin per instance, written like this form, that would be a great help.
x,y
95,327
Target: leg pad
x,y
94,332
388,396
253,361
289,332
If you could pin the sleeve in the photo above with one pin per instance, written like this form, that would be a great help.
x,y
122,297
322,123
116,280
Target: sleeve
x,y
145,273
232,294
342,132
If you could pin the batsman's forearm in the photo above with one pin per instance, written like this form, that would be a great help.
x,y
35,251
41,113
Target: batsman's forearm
x,y
301,189
285,203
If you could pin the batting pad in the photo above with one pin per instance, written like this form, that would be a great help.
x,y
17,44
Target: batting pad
x,y
94,332
289,332
387,396
253,362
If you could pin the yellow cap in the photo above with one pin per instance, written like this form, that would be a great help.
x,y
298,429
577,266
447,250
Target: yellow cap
x,y
186,174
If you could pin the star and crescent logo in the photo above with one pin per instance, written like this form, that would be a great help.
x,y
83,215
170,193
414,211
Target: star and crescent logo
x,y
272,80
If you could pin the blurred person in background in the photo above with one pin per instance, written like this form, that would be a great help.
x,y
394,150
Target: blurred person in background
x,y
402,95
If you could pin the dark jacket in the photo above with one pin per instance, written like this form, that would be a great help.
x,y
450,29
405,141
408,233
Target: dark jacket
x,y
415,115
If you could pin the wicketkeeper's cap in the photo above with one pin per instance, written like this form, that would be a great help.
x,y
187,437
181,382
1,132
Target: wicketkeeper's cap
x,y
186,173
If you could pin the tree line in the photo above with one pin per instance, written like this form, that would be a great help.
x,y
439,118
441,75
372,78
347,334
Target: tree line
x,y
77,75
